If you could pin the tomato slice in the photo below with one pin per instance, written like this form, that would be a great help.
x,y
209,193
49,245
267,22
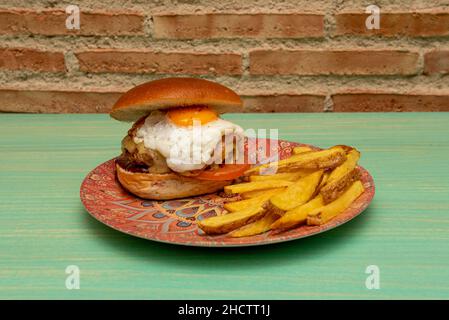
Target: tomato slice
x,y
224,172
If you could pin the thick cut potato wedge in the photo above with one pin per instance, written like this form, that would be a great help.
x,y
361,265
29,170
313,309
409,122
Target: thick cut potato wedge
x,y
256,201
341,177
245,204
324,180
323,159
287,176
266,166
333,190
257,193
351,162
298,193
299,150
257,185
231,221
347,149
257,227
298,215
324,214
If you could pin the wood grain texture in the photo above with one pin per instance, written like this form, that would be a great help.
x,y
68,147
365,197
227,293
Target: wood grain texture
x,y
405,231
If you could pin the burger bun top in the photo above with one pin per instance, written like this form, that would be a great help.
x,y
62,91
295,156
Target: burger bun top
x,y
174,92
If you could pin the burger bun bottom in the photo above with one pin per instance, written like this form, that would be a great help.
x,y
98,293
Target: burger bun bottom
x,y
166,186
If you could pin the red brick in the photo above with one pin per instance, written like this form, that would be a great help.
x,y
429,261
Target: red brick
x,y
198,26
52,22
143,61
390,102
436,62
342,62
415,24
30,59
284,103
37,101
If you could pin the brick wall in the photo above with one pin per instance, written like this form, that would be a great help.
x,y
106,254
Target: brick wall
x,y
280,56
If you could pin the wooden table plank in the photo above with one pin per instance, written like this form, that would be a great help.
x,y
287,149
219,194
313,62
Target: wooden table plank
x,y
405,231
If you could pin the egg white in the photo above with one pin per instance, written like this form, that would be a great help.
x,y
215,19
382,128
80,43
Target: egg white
x,y
185,148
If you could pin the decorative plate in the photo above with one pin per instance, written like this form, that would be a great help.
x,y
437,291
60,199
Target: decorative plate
x,y
174,221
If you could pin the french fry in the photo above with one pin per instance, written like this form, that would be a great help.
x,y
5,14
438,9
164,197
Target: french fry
x,y
324,180
347,149
257,193
299,150
257,185
324,214
256,201
298,193
244,204
298,215
257,227
351,162
258,169
333,190
329,158
341,177
228,222
287,176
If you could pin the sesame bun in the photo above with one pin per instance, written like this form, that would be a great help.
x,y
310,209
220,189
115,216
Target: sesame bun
x,y
174,92
166,186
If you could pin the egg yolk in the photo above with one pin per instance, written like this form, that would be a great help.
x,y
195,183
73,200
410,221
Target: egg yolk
x,y
185,116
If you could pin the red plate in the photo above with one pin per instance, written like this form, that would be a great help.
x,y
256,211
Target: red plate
x,y
174,221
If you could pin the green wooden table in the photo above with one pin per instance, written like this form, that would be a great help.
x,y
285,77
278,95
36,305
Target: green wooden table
x,y
405,232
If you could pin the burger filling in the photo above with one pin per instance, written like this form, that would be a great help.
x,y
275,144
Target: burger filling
x,y
188,141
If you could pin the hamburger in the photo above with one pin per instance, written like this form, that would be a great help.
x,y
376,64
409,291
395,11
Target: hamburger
x,y
178,145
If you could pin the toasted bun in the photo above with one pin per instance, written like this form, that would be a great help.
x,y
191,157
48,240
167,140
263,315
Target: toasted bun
x,y
166,186
174,92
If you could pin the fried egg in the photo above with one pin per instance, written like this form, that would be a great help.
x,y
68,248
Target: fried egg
x,y
186,137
